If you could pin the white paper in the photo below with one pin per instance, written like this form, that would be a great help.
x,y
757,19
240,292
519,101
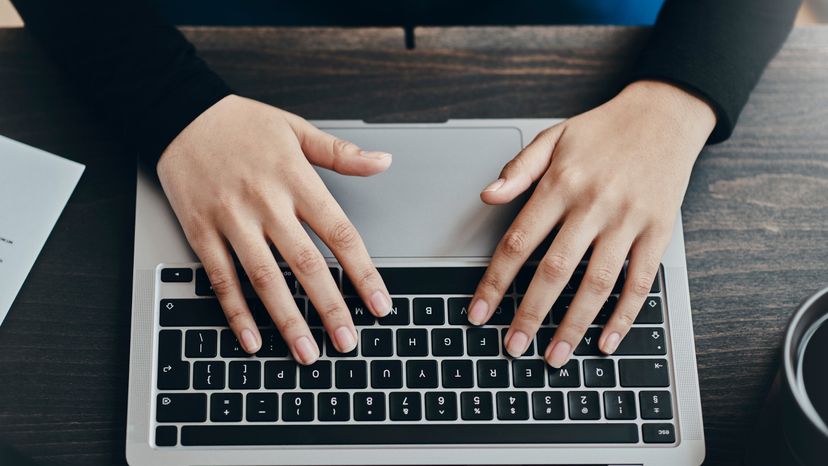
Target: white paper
x,y
34,188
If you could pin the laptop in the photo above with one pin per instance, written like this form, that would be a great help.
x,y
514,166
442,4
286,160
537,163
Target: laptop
x,y
423,386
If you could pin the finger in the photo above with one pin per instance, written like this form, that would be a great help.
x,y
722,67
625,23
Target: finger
x,y
605,264
645,258
221,271
328,151
523,170
553,273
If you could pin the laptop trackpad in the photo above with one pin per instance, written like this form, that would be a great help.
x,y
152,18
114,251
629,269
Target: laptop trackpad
x,y
427,203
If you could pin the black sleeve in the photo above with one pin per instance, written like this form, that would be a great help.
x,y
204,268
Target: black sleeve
x,y
138,70
716,49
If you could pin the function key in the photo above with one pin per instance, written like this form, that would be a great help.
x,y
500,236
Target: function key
x,y
429,311
650,312
584,406
226,407
619,405
369,406
643,373
426,280
399,314
334,407
512,406
200,343
262,407
548,406
405,406
441,406
177,275
297,407
655,404
476,406
658,433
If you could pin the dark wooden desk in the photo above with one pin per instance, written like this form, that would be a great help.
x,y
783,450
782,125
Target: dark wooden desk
x,y
755,216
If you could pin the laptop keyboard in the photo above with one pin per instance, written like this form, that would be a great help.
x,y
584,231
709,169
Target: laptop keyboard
x,y
421,375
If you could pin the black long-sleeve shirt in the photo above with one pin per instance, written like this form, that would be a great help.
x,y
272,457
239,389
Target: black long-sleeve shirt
x,y
147,78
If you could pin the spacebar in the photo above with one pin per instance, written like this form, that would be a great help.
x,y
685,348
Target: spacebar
x,y
384,434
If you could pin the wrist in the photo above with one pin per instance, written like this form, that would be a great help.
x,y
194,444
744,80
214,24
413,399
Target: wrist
x,y
689,112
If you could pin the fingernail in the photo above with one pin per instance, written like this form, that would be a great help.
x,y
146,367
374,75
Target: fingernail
x,y
381,303
611,344
306,350
249,340
344,339
517,344
376,155
559,355
496,184
478,311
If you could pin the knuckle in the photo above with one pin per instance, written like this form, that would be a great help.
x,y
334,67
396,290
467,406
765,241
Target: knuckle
x,y
514,243
626,318
367,277
343,235
309,261
289,324
221,281
532,314
600,280
554,268
492,283
578,324
340,146
235,316
640,285
263,275
513,166
330,311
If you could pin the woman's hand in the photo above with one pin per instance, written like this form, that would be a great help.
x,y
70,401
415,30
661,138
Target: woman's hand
x,y
612,178
240,175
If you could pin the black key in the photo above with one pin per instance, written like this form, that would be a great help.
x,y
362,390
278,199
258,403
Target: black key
x,y
399,315
359,312
545,335
426,280
208,375
643,373
173,373
584,406
457,373
476,406
200,343
297,407
658,433
262,407
447,342
386,374
559,308
316,333
656,286
316,375
377,342
651,312
459,311
512,406
548,406
280,374
273,346
369,406
524,277
226,407
202,285
429,311
332,352
203,313
230,346
599,373
567,376
166,436
619,405
181,407
482,342
334,407
405,406
655,404
645,341
606,311
412,342
503,313
492,373
530,350
441,406
421,374
183,275
351,374
589,343
528,373
245,375
313,317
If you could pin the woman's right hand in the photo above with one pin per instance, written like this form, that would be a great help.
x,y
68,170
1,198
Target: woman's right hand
x,y
240,175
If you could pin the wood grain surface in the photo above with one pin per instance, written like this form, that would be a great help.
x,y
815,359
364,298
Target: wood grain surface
x,y
755,215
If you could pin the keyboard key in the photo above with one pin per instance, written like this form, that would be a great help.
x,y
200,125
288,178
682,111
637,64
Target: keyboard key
x,y
457,373
280,374
226,407
476,406
512,406
399,315
426,280
643,341
429,311
589,343
334,407
173,373
202,313
447,342
351,374
230,346
567,376
181,407
244,375
619,405
658,433
262,407
656,286
547,406
316,333
528,373
202,285
166,436
492,373
421,374
405,406
412,342
297,407
313,317
482,342
386,374
599,373
584,406
441,406
459,311
559,308
544,336
200,343
316,375
377,342
359,312
208,375
606,311
369,406
332,352
655,404
503,313
643,373
651,312
273,346
530,350
183,275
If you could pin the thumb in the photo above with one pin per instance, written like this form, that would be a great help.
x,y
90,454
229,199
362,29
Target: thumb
x,y
523,170
344,157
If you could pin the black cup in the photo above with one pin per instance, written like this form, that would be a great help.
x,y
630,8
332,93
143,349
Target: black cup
x,y
792,430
